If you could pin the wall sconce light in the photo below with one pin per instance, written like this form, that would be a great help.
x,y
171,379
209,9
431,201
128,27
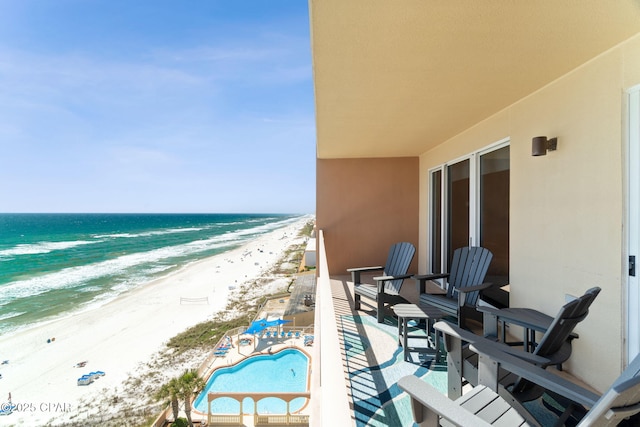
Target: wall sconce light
x,y
540,145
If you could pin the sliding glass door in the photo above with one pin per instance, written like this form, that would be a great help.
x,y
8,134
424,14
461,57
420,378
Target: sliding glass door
x,y
435,230
458,207
494,211
469,205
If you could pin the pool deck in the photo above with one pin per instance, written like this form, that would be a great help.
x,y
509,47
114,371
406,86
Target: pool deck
x,y
237,353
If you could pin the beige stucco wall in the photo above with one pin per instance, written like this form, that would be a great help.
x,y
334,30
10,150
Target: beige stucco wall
x,y
364,206
567,208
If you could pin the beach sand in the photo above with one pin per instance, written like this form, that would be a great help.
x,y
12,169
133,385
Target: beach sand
x,y
118,337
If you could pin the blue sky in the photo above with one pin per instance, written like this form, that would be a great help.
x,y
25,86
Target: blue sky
x,y
156,106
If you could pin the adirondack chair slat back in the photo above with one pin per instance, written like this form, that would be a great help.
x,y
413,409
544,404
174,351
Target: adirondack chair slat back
x,y
468,268
398,261
557,335
620,401
564,323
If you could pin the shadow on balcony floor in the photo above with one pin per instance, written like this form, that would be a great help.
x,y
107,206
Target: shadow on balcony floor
x,y
373,364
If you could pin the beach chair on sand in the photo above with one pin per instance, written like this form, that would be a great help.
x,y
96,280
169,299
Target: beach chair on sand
x,y
96,374
85,380
483,406
386,291
220,352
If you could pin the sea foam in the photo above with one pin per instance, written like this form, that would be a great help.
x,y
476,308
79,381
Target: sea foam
x,y
42,247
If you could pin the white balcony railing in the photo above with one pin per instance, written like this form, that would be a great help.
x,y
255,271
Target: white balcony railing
x,y
330,405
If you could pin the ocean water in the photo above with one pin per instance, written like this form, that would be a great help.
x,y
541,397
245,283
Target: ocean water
x,y
53,264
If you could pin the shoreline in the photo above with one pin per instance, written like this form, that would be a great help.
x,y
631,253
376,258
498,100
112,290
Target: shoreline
x,y
121,335
97,305
104,298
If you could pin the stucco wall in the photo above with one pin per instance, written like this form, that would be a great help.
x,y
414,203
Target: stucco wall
x,y
567,208
364,206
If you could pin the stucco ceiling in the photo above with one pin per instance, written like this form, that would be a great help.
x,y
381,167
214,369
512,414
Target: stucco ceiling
x,y
394,78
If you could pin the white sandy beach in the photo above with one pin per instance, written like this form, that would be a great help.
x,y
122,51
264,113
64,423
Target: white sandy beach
x,y
117,337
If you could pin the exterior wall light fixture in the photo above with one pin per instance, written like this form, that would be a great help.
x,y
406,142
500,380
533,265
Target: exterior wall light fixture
x,y
540,145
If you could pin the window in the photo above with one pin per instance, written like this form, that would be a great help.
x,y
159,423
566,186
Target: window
x,y
469,205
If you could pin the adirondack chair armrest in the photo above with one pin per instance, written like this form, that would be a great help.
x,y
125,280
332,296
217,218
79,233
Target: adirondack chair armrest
x,y
535,374
462,292
527,318
431,276
451,331
524,317
525,356
427,404
397,277
355,272
489,310
474,288
374,268
422,280
381,279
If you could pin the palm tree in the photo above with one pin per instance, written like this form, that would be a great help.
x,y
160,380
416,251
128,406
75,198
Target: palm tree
x,y
190,384
172,391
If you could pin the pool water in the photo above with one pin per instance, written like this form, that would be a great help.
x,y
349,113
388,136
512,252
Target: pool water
x,y
285,371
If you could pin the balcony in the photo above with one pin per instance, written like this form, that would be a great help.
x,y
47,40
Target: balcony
x,y
358,361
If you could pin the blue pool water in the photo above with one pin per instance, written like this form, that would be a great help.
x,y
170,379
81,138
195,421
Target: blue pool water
x,y
285,371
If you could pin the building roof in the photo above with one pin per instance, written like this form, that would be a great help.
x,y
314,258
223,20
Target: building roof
x,y
395,78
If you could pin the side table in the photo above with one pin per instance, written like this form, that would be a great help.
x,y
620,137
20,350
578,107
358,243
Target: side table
x,y
406,312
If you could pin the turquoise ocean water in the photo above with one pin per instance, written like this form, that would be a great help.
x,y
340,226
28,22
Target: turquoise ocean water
x,y
53,264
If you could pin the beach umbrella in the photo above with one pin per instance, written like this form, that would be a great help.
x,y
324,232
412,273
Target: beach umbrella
x,y
276,322
257,326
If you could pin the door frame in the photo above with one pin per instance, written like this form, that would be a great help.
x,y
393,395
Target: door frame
x,y
474,199
632,283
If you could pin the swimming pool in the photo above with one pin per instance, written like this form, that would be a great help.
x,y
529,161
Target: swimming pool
x,y
285,371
